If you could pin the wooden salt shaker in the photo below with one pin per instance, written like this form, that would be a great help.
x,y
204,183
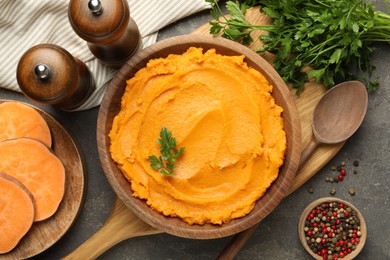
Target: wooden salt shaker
x,y
50,75
112,35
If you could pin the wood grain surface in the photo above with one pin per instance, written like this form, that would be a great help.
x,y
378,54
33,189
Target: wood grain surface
x,y
305,104
44,234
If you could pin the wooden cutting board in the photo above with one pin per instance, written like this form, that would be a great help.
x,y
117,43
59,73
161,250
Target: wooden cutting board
x,y
123,223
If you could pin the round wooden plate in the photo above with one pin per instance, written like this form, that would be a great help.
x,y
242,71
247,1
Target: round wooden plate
x,y
44,234
110,106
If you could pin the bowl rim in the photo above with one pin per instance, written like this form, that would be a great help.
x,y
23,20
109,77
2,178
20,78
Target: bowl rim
x,y
313,204
154,218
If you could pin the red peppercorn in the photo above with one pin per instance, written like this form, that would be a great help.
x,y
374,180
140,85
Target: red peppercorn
x,y
334,227
324,251
343,172
314,224
334,213
349,250
341,242
335,257
324,212
313,211
341,205
346,213
323,240
357,240
340,177
342,255
338,221
309,232
325,257
330,234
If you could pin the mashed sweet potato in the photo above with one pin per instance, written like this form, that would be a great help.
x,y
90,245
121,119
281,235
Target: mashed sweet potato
x,y
223,113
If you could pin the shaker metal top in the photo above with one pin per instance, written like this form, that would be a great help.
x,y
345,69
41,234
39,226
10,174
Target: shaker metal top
x,y
95,6
42,71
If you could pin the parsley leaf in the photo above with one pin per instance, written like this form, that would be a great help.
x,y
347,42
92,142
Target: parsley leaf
x,y
333,37
169,153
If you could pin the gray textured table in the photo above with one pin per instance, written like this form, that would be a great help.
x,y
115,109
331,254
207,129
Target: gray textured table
x,y
276,237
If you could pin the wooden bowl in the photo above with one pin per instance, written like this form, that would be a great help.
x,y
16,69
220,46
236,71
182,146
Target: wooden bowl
x,y
314,204
110,106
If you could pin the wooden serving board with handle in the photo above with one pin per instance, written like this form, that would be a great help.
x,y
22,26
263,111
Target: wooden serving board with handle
x,y
123,223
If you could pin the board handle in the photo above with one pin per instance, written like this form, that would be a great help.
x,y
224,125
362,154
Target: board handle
x,y
120,225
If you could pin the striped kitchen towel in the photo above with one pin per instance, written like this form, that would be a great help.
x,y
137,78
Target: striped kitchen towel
x,y
26,23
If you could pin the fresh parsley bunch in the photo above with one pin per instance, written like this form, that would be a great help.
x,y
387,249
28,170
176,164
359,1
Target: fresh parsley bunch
x,y
333,37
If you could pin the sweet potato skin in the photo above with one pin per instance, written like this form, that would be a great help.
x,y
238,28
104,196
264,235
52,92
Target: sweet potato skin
x,y
21,120
17,212
40,170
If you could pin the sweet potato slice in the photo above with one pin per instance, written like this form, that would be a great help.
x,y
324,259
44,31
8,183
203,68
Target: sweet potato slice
x,y
16,212
20,120
40,170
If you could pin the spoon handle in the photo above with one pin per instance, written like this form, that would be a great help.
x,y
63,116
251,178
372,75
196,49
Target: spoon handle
x,y
236,243
308,151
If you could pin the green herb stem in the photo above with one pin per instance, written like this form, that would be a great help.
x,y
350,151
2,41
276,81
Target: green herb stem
x,y
169,153
326,35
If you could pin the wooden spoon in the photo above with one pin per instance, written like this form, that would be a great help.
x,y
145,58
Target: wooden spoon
x,y
336,117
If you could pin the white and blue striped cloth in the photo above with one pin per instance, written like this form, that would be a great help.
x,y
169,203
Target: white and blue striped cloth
x,y
26,23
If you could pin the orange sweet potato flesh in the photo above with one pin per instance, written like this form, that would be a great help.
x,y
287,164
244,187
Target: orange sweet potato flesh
x,y
20,120
16,212
40,170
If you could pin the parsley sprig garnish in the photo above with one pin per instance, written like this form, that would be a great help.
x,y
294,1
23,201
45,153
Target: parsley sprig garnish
x,y
169,153
333,37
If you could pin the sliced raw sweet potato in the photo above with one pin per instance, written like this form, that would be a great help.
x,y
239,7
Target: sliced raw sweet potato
x,y
40,170
16,212
20,120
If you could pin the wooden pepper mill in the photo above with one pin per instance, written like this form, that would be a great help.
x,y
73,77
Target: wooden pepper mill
x,y
112,35
50,75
